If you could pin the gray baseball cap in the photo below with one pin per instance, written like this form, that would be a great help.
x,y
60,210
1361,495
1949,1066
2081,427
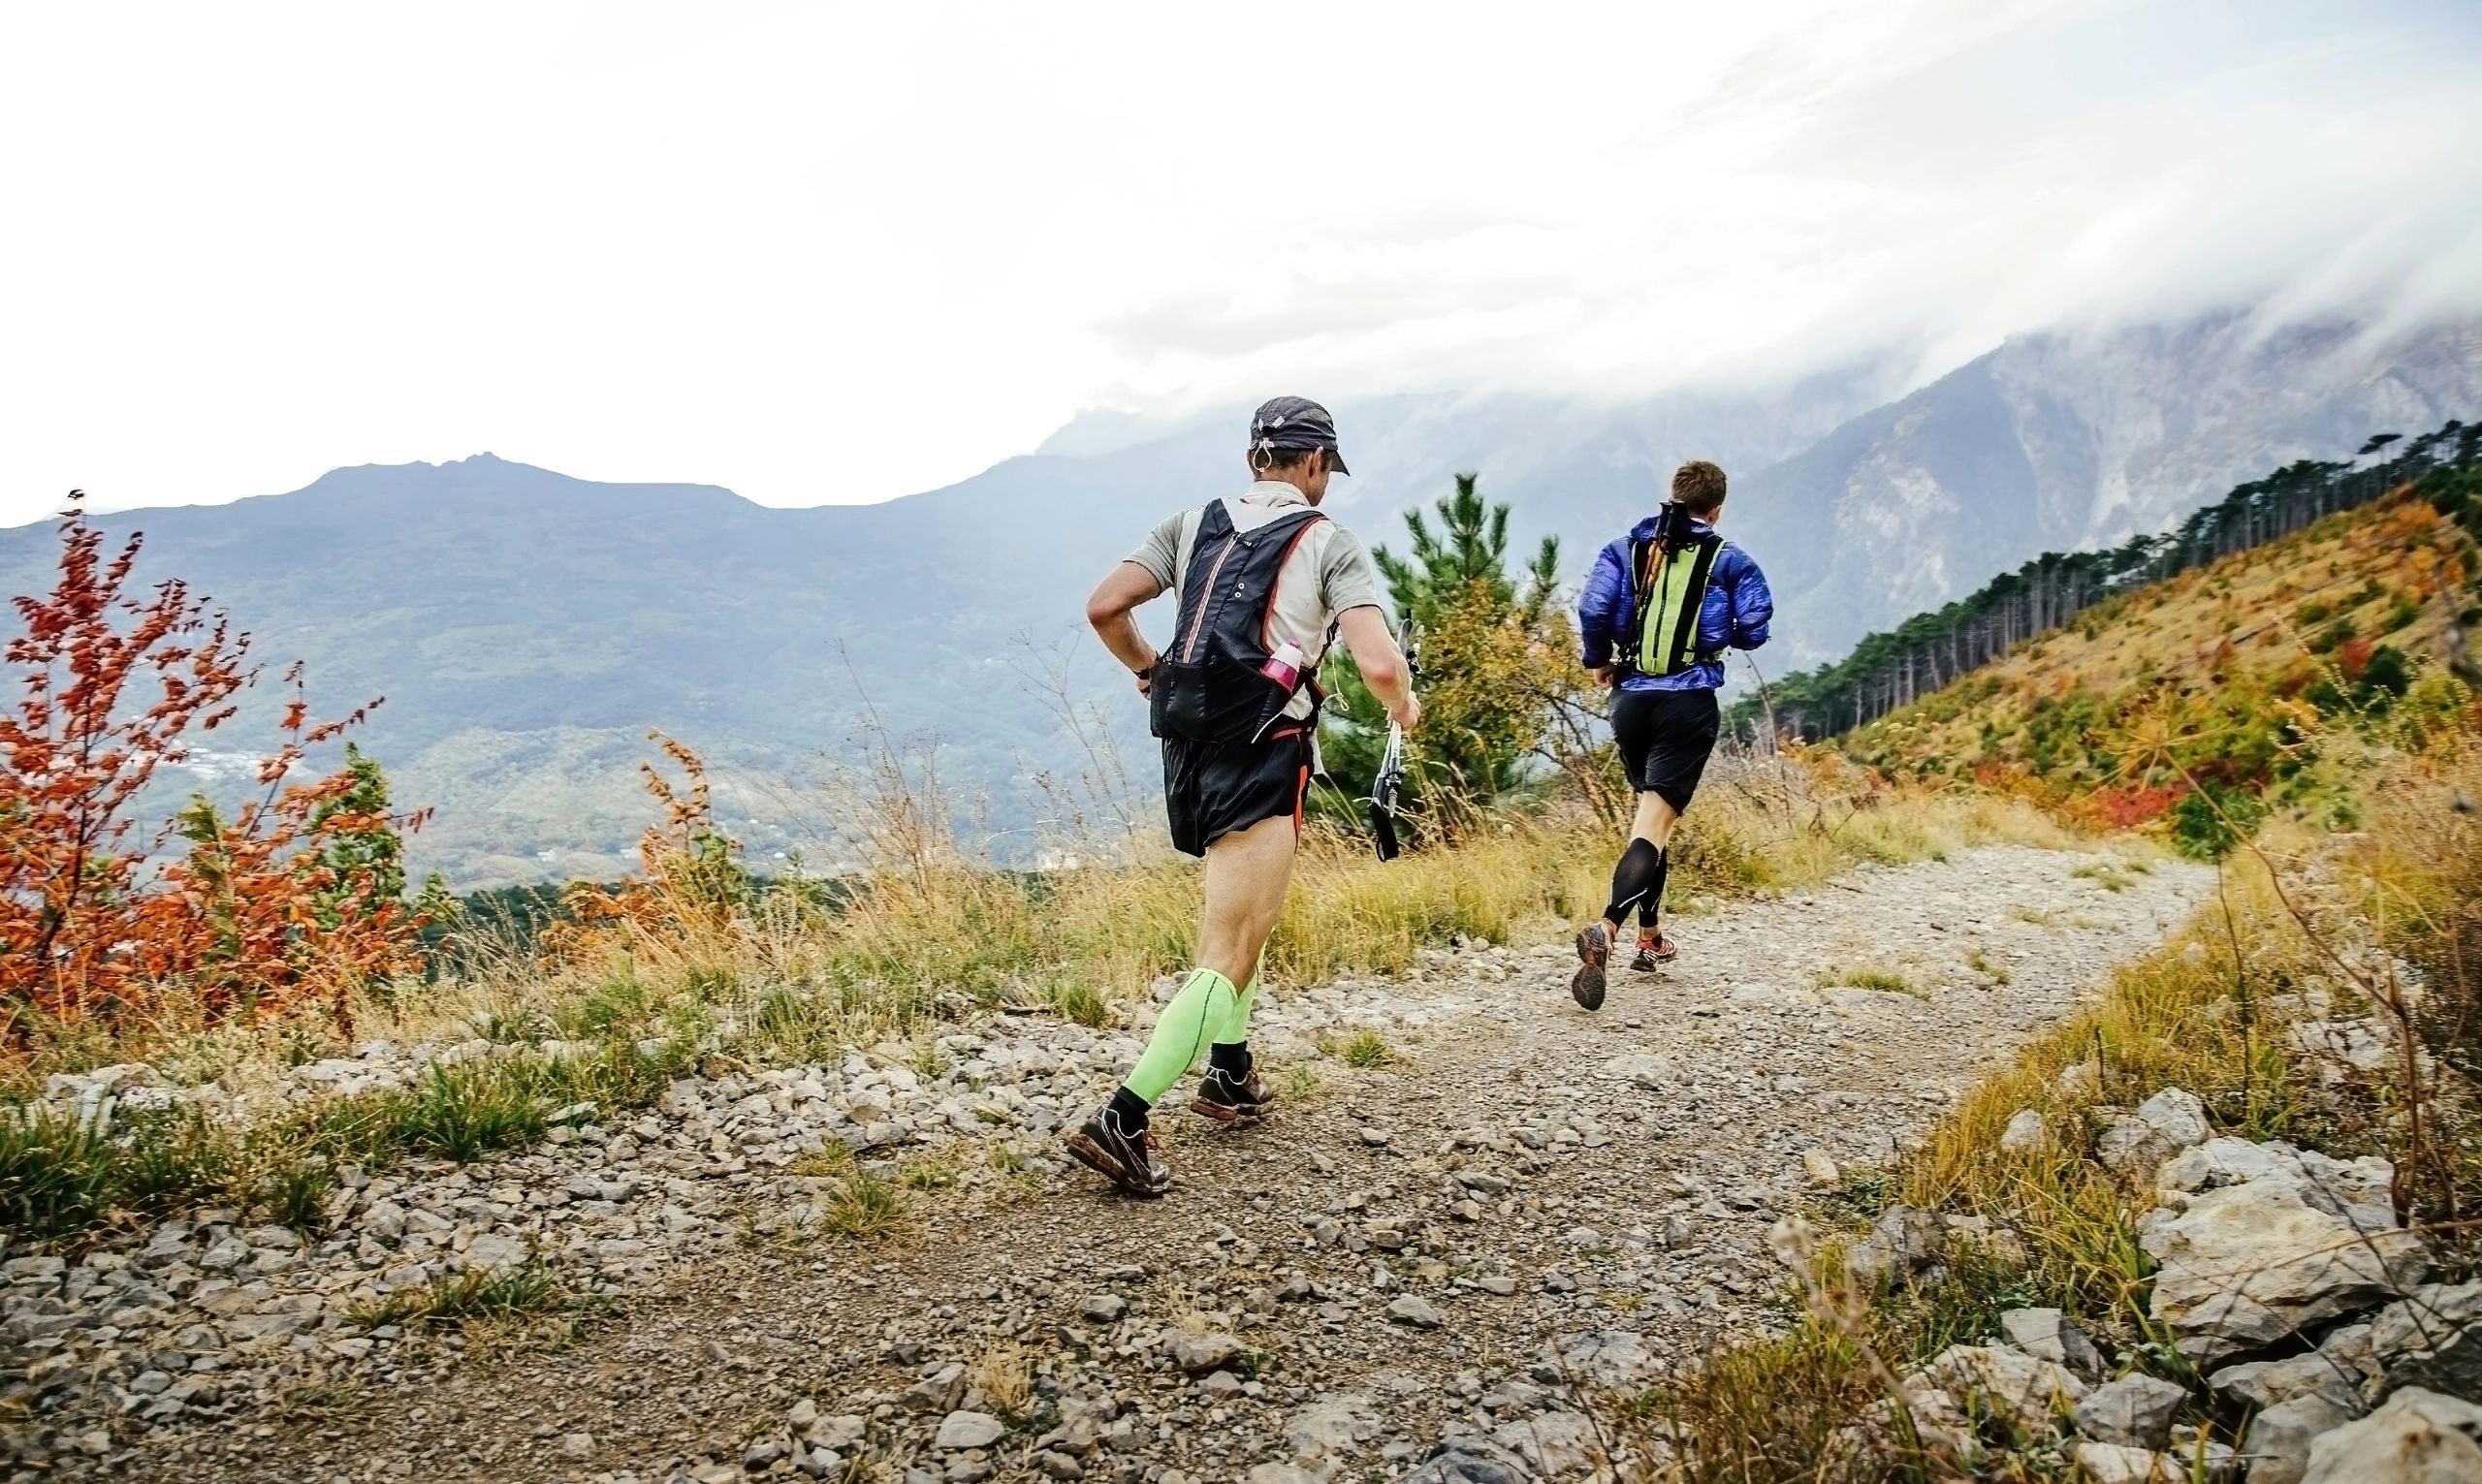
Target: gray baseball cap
x,y
1293,423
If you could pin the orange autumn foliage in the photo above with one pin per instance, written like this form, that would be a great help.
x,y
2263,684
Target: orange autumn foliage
x,y
691,877
2130,806
252,915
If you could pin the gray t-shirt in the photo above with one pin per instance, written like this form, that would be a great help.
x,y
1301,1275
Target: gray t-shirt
x,y
1326,574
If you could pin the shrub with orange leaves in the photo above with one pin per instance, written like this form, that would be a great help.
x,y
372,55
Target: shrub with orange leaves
x,y
287,899
692,875
2130,806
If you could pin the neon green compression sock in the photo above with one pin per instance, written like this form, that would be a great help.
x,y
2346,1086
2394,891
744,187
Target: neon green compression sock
x,y
1205,1001
1235,1026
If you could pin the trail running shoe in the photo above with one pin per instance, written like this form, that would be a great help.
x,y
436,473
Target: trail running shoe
x,y
1126,1160
1236,1104
1594,956
1654,951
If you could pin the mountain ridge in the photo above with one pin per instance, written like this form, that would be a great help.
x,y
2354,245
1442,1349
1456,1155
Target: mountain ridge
x,y
529,627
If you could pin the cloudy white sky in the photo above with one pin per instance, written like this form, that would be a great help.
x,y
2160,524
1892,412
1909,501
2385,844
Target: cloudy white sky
x,y
838,253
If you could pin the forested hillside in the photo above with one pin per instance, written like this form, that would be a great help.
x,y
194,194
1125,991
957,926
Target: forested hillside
x,y
2199,704
1897,667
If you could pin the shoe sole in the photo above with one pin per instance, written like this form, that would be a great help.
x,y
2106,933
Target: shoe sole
x,y
1594,955
1229,1115
1650,965
1091,1154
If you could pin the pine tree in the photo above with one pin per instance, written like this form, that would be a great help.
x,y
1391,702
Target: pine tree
x,y
1494,661
364,850
1475,550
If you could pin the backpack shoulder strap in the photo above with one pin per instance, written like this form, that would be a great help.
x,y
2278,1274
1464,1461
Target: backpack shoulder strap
x,y
1275,582
1292,523
1684,636
1637,577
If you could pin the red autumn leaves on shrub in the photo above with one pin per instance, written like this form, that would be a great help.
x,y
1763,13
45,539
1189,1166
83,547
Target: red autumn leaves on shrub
x,y
297,895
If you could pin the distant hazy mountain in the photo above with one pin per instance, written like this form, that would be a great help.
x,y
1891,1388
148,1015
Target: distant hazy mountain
x,y
527,628
2059,442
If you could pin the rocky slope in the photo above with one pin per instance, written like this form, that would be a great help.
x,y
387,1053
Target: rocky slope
x,y
2282,1278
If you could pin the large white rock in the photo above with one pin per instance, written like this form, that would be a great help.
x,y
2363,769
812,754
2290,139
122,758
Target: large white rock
x,y
2026,1133
2135,1412
1198,1354
2047,1334
1326,1435
2360,1190
494,1251
2418,1437
2104,1463
1905,1241
959,1431
2164,1125
1610,1360
2227,1161
2246,1265
2029,1394
2432,1338
2279,1442
2365,1045
2266,1383
1554,1443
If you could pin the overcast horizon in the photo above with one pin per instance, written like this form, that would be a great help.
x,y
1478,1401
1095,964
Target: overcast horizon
x,y
827,256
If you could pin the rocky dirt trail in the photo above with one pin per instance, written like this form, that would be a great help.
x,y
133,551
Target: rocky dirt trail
x,y
1526,1196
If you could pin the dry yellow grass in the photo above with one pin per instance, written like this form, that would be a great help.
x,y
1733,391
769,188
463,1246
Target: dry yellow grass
x,y
791,977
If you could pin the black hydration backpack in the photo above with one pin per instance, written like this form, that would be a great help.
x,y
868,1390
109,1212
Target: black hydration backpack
x,y
1207,686
1668,579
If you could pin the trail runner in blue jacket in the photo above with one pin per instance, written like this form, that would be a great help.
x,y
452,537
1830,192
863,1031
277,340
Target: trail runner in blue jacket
x,y
1658,612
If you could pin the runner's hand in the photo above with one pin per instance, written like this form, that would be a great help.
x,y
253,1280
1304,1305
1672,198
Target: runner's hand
x,y
1606,675
1410,714
1146,678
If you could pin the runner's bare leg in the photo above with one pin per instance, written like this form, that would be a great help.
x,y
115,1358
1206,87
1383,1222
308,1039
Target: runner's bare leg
x,y
1247,874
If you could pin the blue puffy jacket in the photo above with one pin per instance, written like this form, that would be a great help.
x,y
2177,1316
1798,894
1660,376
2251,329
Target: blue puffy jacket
x,y
1735,614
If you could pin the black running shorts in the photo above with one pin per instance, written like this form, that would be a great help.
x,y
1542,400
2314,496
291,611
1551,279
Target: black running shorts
x,y
1211,789
1664,738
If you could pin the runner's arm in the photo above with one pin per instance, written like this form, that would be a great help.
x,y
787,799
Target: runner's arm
x,y
1364,630
1108,610
1753,604
1598,612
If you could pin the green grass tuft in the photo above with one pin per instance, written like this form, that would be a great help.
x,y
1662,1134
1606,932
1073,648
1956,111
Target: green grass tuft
x,y
529,1290
866,1208
466,1111
1082,1003
1884,980
1366,1048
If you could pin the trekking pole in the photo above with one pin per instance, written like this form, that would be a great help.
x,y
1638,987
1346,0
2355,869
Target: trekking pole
x,y
1390,782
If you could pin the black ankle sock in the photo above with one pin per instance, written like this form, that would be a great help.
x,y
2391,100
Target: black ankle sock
x,y
1651,905
1128,1109
1640,871
1230,1057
